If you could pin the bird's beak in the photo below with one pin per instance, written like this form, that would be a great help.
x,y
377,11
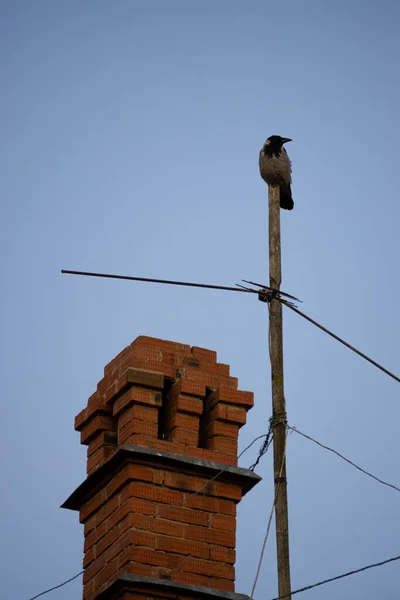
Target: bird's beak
x,y
284,140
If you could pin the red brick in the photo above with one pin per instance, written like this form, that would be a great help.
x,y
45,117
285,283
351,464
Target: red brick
x,y
149,442
139,427
144,378
89,525
157,525
164,573
175,561
120,545
222,584
220,554
129,473
90,571
137,439
168,369
186,482
102,439
96,403
94,426
210,378
146,359
219,411
156,494
185,404
182,420
191,548
221,444
210,536
88,557
223,369
190,578
205,454
149,355
98,458
214,505
215,369
185,515
114,388
95,536
149,557
89,589
187,386
138,411
105,574
184,436
230,414
113,365
236,415
125,381
213,569
224,394
158,477
108,508
224,523
136,569
223,429
81,419
204,354
118,515
169,446
137,395
92,505
230,491
144,341
106,541
137,505
139,537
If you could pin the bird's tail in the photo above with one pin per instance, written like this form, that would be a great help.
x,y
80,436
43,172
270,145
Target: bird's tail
x,y
286,200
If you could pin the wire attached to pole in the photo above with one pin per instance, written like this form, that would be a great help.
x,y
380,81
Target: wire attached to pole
x,y
269,524
338,339
344,458
310,587
208,286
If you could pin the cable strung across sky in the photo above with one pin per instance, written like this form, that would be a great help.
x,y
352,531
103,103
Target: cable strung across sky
x,y
264,294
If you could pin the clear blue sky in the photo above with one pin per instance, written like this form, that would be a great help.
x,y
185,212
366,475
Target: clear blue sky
x,y
130,139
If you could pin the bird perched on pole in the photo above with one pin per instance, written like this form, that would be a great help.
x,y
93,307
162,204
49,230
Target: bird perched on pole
x,y
276,168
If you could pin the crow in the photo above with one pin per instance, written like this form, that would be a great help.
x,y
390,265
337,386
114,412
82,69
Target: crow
x,y
275,168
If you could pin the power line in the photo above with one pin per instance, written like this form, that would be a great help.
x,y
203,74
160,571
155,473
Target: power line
x,y
337,338
265,445
269,523
263,295
158,513
171,282
344,458
165,281
309,587
272,512
56,586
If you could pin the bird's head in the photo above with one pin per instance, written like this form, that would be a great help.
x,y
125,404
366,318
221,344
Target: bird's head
x,y
273,145
276,141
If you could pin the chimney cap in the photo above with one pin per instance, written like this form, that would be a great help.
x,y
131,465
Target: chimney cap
x,y
129,580
246,478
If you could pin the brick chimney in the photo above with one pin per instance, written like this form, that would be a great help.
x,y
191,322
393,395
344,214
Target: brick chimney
x,y
162,424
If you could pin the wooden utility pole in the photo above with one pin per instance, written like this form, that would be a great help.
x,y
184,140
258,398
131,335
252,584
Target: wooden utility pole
x,y
278,397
